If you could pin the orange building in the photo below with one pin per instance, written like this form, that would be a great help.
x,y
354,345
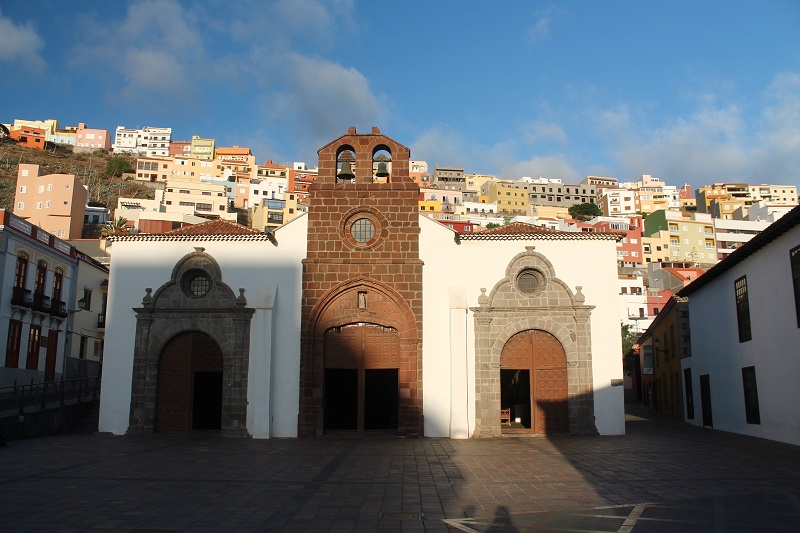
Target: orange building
x,y
29,136
54,202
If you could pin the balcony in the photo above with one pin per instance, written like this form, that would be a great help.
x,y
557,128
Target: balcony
x,y
58,308
41,303
21,298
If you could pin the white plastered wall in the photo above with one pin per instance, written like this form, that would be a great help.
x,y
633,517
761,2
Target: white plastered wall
x,y
271,277
716,349
453,275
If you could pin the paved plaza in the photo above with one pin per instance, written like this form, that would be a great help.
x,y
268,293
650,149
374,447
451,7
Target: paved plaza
x,y
662,476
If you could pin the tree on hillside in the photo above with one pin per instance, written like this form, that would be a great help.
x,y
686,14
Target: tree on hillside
x,y
585,211
629,338
492,225
115,227
117,166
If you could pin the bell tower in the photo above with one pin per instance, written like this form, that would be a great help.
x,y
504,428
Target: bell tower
x,y
361,354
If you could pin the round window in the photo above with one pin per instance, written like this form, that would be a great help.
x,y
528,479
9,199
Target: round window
x,y
362,230
196,283
530,281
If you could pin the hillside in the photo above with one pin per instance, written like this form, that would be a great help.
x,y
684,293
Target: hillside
x,y
90,168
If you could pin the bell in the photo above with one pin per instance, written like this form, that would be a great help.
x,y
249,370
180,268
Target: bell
x,y
346,173
382,171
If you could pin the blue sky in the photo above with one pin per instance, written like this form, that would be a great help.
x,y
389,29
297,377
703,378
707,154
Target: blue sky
x,y
691,92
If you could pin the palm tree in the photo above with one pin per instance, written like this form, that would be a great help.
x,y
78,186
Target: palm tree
x,y
115,227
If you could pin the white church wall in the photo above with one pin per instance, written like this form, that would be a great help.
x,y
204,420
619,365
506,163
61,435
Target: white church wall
x,y
270,276
474,264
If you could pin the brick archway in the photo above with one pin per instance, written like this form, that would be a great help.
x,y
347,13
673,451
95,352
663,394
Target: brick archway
x,y
362,301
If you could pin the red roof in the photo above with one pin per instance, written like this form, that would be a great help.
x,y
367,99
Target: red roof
x,y
521,230
211,230
214,227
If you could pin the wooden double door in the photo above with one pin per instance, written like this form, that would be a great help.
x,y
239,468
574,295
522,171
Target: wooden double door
x,y
189,393
533,383
361,380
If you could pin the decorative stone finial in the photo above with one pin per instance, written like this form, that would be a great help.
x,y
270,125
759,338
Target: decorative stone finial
x,y
530,249
579,297
241,300
147,301
199,249
483,300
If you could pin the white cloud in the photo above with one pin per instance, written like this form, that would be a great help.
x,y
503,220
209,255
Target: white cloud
x,y
319,99
155,53
757,141
549,166
539,131
442,146
21,44
540,29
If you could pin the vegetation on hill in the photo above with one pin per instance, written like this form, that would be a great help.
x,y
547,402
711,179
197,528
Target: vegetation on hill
x,y
100,171
585,211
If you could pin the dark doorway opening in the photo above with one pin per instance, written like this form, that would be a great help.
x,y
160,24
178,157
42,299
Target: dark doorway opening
x,y
189,393
515,394
207,400
380,399
341,399
705,400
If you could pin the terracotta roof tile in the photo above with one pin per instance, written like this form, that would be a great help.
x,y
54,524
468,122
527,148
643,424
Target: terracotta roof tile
x,y
521,230
214,227
215,230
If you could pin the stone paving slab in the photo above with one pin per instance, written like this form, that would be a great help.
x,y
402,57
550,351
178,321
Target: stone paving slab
x,y
662,476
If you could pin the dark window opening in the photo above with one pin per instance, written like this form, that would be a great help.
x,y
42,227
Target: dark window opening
x,y
750,395
743,310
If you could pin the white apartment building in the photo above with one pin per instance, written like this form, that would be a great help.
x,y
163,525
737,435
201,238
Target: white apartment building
x,y
615,202
148,141
731,234
777,194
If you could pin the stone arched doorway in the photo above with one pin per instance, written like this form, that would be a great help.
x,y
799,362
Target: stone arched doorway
x,y
533,383
532,298
362,364
195,299
189,395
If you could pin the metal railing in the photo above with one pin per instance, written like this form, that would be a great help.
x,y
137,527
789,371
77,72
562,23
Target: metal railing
x,y
23,399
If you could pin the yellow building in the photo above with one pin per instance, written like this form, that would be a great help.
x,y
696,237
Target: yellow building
x,y
430,205
194,197
511,196
270,214
655,248
545,211
691,235
203,148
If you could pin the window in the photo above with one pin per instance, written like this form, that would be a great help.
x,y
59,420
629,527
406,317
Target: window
x,y
22,188
41,272
87,299
742,309
203,207
82,348
794,258
12,343
687,382
21,272
530,282
362,230
750,395
34,343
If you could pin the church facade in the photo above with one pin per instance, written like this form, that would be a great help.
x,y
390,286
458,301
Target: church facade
x,y
363,317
